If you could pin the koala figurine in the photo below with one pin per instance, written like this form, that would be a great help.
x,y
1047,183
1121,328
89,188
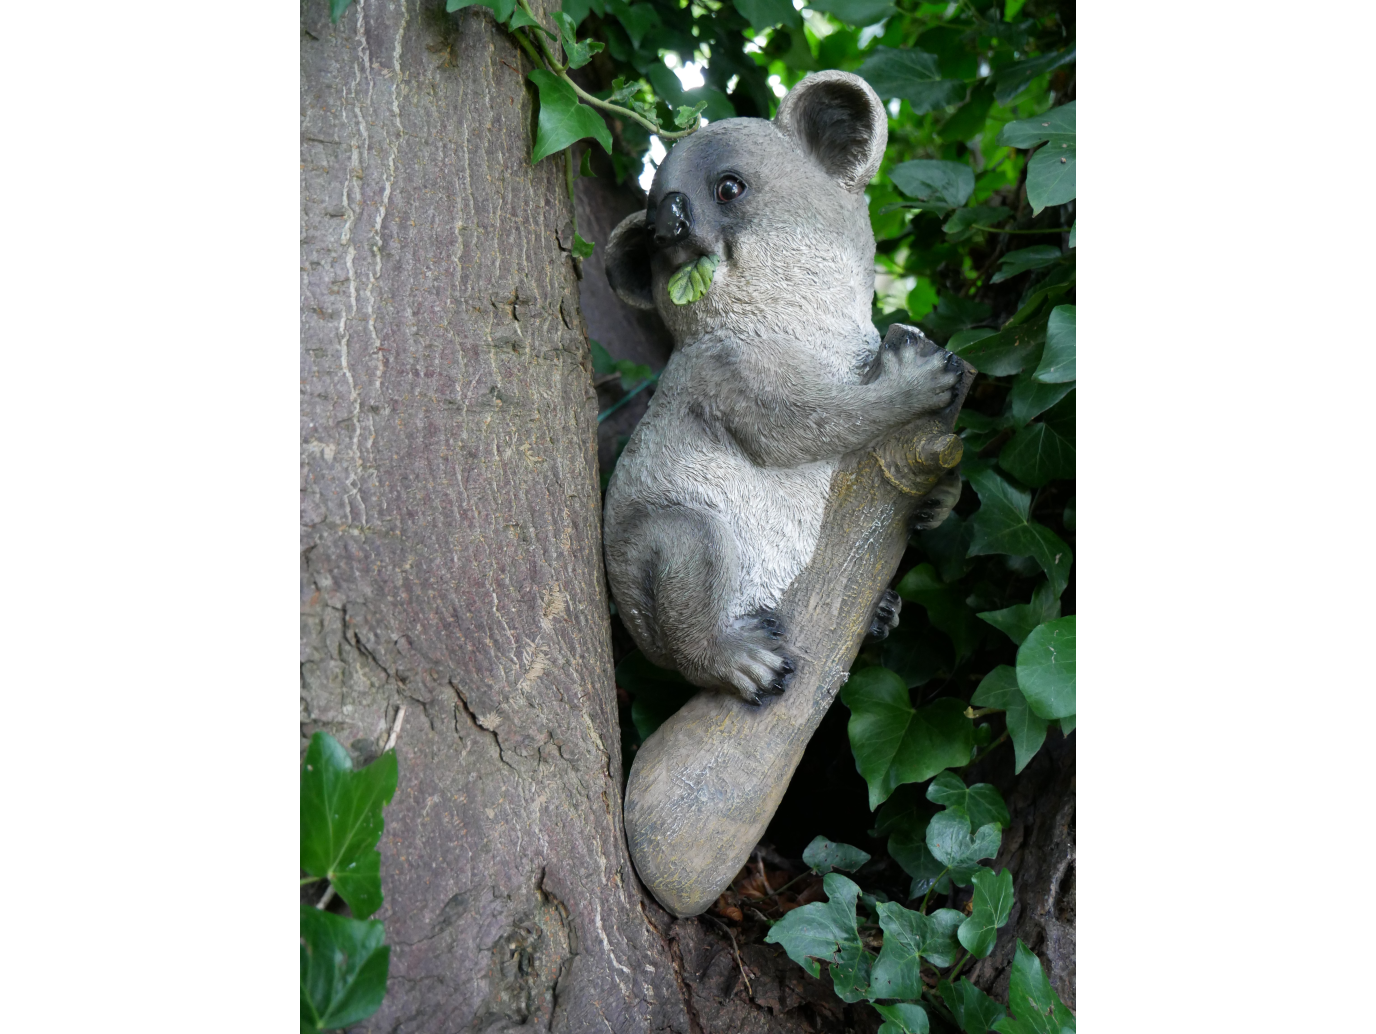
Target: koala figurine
x,y
777,372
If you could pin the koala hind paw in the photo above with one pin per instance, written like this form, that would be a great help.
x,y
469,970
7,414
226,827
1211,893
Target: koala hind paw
x,y
751,662
885,618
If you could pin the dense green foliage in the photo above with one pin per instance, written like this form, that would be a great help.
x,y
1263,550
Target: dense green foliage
x,y
343,960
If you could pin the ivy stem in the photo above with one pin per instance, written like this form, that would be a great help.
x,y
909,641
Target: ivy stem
x,y
525,44
550,60
791,882
562,72
629,395
951,976
311,879
326,897
940,1006
988,750
973,712
928,896
616,109
991,229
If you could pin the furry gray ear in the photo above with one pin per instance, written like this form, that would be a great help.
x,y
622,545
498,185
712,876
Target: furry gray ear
x,y
839,121
628,262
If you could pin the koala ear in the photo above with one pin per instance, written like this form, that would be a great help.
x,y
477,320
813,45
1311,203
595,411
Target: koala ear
x,y
628,262
839,121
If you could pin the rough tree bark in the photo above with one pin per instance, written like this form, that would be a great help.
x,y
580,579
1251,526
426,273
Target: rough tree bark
x,y
451,534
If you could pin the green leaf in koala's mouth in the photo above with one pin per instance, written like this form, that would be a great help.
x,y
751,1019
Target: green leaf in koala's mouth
x,y
692,280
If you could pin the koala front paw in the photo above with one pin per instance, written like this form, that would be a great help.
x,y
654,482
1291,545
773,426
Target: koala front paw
x,y
885,618
933,381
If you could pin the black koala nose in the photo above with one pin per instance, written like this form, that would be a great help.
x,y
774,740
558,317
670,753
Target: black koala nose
x,y
673,219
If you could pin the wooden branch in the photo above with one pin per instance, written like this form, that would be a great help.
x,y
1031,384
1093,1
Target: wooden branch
x,y
705,785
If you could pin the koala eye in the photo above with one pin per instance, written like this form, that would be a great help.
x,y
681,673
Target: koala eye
x,y
729,188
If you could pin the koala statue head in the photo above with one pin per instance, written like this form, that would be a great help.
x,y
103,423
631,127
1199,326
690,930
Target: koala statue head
x,y
781,207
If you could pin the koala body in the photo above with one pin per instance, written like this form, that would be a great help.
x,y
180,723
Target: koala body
x,y
717,500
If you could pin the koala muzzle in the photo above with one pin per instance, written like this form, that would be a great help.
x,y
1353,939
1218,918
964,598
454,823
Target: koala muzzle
x,y
673,220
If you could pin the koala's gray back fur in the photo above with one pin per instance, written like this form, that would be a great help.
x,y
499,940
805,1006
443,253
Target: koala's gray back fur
x,y
716,503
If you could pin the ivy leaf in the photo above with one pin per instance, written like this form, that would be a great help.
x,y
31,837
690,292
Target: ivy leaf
x,y
981,803
1026,729
602,361
903,1018
1030,398
945,609
1002,525
894,744
1039,454
1046,668
828,930
903,819
636,19
581,248
1056,282
974,1010
577,54
914,76
765,14
341,820
521,20
657,693
632,374
958,226
1058,358
954,846
1072,234
954,313
1036,1009
692,280
1001,353
623,91
1030,132
501,9
946,546
823,855
1012,80
968,120
1051,175
914,653
908,847
939,185
578,9
562,119
1018,621
856,12
343,969
1023,259
908,938
992,902
686,116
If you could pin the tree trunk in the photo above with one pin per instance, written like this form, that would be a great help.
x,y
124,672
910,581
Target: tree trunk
x,y
451,534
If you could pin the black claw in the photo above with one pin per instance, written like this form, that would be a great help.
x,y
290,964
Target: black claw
x,y
954,362
777,686
787,668
879,631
